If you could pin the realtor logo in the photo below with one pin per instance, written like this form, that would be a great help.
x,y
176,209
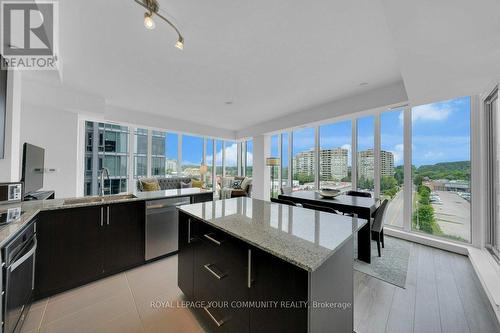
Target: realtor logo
x,y
29,35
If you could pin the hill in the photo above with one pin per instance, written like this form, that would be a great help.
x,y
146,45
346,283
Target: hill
x,y
445,170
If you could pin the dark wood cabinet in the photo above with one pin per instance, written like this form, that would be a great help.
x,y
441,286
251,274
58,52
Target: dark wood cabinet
x,y
216,267
80,245
185,256
203,197
276,280
123,244
69,250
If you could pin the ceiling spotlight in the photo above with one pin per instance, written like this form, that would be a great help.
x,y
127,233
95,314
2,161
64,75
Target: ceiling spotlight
x,y
153,9
363,84
180,43
149,23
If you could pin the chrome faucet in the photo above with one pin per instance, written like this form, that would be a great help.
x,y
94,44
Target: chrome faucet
x,y
101,176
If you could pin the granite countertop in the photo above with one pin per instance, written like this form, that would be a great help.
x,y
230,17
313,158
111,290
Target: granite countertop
x,y
303,237
31,208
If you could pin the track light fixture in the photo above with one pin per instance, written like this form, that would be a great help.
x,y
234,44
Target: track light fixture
x,y
153,8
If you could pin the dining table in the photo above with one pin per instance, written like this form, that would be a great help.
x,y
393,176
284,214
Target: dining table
x,y
363,207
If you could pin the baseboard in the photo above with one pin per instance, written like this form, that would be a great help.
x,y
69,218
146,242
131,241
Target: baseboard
x,y
488,273
427,240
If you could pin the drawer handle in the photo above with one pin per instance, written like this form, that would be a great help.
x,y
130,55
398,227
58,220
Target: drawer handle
x,y
214,273
219,323
211,238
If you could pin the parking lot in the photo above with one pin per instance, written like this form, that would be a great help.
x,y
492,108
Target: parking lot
x,y
453,214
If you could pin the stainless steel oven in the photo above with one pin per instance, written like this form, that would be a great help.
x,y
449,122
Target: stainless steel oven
x,y
18,278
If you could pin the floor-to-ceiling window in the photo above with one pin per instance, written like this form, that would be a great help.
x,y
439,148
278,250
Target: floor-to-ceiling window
x,y
249,158
106,147
219,161
192,155
391,165
441,169
365,154
285,163
231,158
158,155
274,170
172,154
209,161
140,152
335,141
303,164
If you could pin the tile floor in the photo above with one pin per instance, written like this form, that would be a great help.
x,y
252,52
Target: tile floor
x,y
120,303
442,294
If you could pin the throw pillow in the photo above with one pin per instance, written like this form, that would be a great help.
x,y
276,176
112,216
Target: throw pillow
x,y
244,184
197,183
236,184
187,185
150,185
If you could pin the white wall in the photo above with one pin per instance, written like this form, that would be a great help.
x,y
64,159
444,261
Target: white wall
x,y
261,173
56,131
10,165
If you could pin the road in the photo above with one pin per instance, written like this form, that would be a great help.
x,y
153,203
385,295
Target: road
x,y
394,213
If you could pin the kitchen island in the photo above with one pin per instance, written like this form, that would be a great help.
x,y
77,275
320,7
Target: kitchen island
x,y
256,266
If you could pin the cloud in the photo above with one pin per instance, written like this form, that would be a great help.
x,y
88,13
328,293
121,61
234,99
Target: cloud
x,y
430,112
231,152
346,146
398,152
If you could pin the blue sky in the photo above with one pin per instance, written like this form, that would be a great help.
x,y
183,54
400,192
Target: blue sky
x,y
192,150
440,133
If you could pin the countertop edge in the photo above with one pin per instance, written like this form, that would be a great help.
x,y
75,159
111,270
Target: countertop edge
x,y
278,255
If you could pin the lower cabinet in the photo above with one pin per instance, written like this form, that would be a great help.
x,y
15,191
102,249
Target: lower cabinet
x,y
79,245
226,275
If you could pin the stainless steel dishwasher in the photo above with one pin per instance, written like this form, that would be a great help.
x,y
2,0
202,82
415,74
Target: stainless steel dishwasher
x,y
162,226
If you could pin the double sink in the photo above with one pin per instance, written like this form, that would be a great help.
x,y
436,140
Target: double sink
x,y
98,199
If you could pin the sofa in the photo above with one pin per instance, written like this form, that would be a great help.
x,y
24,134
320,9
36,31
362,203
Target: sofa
x,y
227,191
166,183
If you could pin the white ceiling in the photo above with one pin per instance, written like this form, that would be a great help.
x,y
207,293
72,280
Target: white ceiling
x,y
445,48
275,58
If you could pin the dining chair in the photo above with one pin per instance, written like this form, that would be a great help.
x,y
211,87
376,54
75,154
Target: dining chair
x,y
286,190
283,201
358,194
377,230
320,208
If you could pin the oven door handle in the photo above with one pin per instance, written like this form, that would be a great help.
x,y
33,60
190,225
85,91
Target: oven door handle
x,y
25,257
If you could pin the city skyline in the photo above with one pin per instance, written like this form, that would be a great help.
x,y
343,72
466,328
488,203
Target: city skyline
x,y
433,125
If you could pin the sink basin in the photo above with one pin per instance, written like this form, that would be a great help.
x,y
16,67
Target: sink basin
x,y
97,199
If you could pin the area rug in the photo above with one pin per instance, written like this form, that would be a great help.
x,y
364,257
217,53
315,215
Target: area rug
x,y
392,266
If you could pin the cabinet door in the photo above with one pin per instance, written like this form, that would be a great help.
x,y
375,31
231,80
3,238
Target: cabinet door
x,y
220,275
274,279
124,239
69,249
185,256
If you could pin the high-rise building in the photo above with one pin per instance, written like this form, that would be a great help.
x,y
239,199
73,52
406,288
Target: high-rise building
x,y
386,163
106,146
303,163
333,163
367,167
